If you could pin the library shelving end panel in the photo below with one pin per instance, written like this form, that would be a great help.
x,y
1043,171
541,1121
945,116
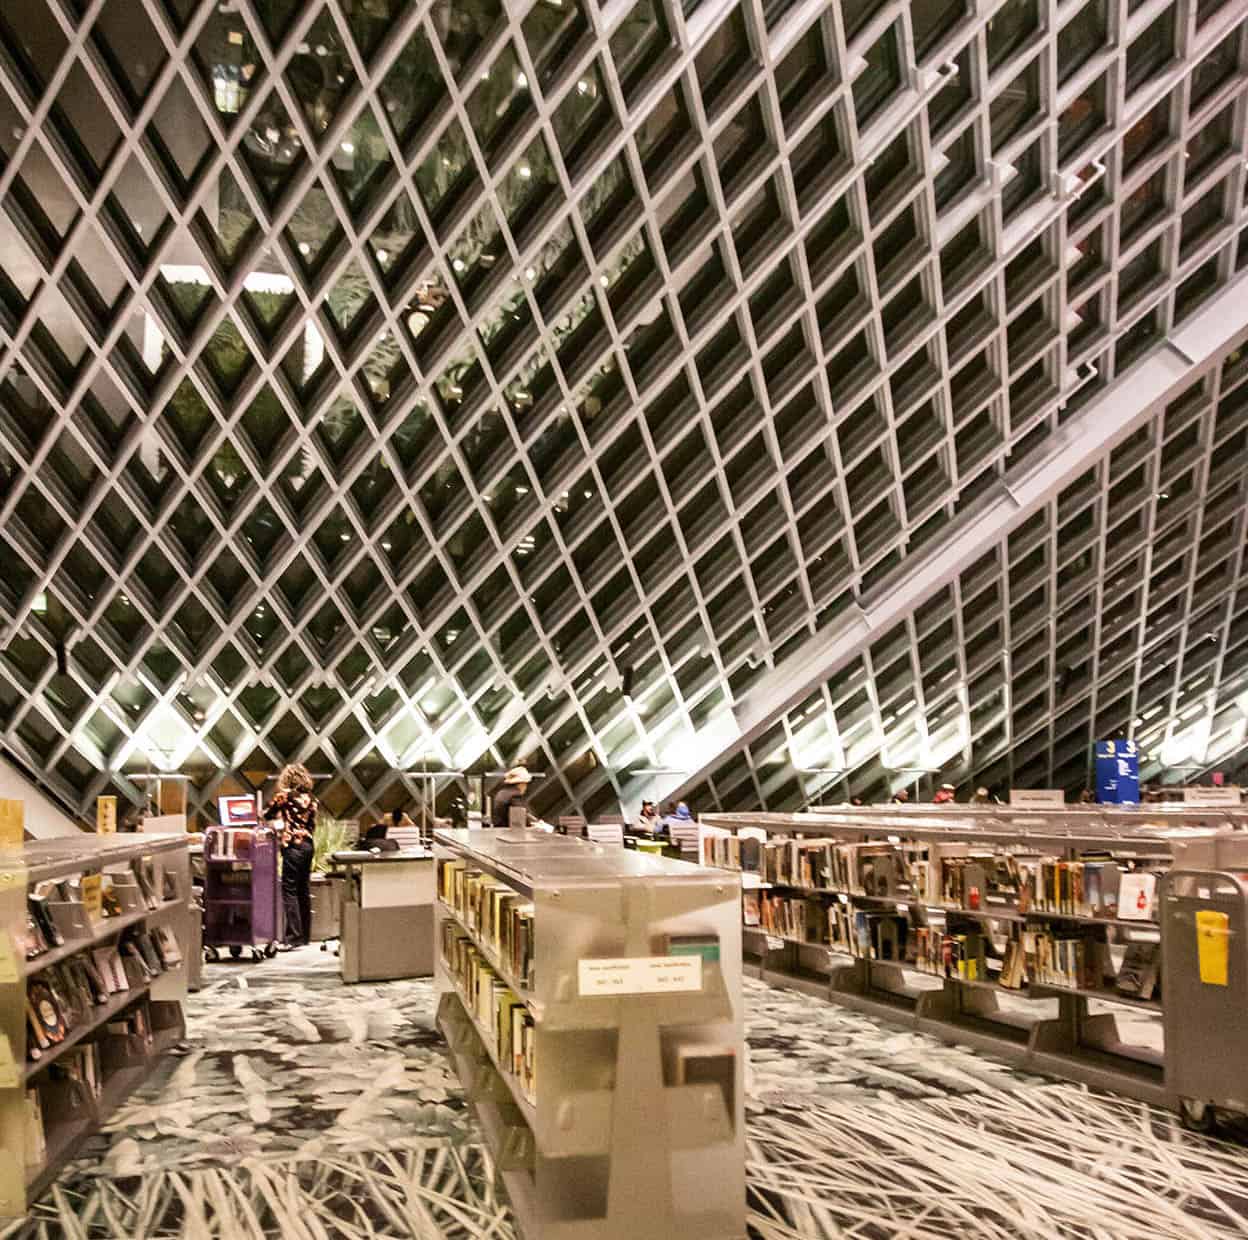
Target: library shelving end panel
x,y
12,1032
1204,909
635,1124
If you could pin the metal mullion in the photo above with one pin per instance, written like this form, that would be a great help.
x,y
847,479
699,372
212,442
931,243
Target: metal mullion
x,y
615,101
547,342
132,142
184,368
774,122
735,304
36,115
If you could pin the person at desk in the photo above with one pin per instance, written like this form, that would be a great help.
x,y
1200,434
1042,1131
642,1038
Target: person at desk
x,y
402,830
512,793
680,817
648,819
295,807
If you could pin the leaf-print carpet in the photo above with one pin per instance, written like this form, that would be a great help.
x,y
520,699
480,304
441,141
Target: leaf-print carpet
x,y
306,1109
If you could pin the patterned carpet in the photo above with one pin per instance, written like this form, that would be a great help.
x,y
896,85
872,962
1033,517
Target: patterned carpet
x,y
306,1109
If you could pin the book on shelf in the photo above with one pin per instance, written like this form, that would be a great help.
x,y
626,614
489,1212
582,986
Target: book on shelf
x,y
957,950
1140,971
751,908
496,1008
145,878
80,1068
45,1012
36,1146
1013,975
136,1023
1137,896
108,963
528,1058
168,947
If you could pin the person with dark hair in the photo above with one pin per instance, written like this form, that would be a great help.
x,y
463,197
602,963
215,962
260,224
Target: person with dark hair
x,y
294,807
402,830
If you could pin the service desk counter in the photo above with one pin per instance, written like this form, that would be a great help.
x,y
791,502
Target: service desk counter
x,y
387,914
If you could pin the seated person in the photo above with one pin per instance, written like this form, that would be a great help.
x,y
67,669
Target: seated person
x,y
402,830
648,820
511,795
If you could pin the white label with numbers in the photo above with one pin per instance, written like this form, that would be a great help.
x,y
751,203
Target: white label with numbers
x,y
640,975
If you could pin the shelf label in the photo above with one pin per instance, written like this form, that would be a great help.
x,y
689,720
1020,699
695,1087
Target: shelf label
x,y
640,975
92,896
12,823
1042,798
106,815
774,944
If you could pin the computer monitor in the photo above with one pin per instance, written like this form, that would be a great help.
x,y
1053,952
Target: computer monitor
x,y
237,811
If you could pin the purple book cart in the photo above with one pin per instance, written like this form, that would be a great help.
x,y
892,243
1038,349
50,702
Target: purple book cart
x,y
241,901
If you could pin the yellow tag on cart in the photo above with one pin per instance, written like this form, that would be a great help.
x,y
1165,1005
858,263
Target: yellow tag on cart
x,y
1212,944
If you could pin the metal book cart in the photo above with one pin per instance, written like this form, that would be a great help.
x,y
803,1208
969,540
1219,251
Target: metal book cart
x,y
241,900
1204,909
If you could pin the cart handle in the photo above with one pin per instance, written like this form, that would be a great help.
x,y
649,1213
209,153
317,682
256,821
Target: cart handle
x,y
1215,878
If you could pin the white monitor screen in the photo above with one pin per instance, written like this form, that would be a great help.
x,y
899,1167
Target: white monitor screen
x,y
237,811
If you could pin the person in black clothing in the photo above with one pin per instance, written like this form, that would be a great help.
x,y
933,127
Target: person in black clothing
x,y
515,785
375,838
295,806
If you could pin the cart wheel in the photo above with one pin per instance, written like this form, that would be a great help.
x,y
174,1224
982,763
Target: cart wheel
x,y
236,952
270,951
211,955
257,954
1197,1116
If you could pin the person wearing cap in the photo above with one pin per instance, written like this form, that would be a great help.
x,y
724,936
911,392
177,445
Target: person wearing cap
x,y
680,816
945,795
515,786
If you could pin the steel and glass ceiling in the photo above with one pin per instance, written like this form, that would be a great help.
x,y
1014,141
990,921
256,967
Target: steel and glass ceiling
x,y
399,386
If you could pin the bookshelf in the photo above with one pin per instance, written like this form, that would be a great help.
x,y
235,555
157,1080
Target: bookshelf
x,y
1037,904
590,998
86,1018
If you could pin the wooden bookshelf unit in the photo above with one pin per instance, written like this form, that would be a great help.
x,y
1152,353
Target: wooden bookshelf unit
x,y
86,1020
591,1002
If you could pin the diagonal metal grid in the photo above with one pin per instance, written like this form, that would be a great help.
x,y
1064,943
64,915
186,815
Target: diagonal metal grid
x,y
394,386
1118,611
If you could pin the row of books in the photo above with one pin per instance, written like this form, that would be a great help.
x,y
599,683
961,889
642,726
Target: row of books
x,y
63,996
867,933
138,887
80,1071
1075,959
506,1021
501,917
949,874
962,954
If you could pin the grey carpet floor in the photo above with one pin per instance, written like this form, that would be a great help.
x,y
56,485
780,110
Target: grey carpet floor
x,y
306,1109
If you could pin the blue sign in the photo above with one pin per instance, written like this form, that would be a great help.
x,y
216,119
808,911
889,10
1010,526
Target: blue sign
x,y
1117,772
